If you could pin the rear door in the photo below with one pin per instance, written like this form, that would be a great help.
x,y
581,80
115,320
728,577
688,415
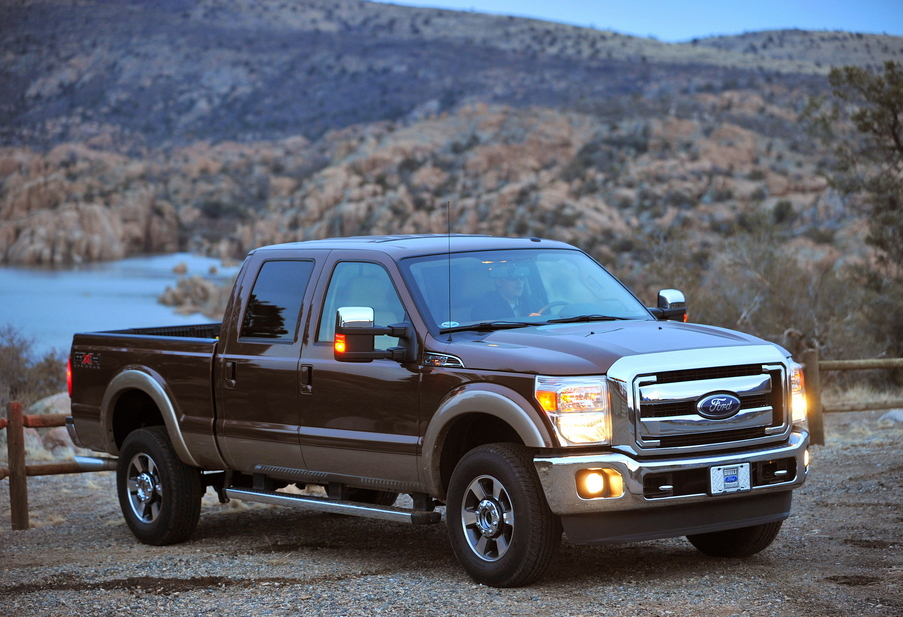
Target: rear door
x,y
259,371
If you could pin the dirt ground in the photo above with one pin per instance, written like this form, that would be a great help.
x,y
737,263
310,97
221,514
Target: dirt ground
x,y
839,554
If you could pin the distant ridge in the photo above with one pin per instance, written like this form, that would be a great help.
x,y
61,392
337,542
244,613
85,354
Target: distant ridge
x,y
134,74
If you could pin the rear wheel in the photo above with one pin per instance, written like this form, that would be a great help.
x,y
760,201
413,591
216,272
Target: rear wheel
x,y
160,496
741,542
372,496
499,523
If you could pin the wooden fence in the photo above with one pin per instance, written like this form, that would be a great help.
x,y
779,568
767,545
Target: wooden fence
x,y
18,471
813,367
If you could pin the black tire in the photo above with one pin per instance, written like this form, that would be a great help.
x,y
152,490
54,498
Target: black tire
x,y
741,542
372,496
160,496
499,523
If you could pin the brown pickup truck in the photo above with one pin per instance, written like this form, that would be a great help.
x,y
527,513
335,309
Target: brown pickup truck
x,y
512,384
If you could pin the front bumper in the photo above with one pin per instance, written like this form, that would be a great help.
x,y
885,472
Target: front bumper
x,y
644,511
558,475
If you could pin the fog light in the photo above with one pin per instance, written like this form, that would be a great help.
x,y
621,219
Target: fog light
x,y
599,483
594,483
806,459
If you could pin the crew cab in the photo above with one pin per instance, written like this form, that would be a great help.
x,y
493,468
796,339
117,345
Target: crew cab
x,y
512,387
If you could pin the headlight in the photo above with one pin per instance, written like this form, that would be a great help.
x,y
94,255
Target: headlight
x,y
578,408
798,405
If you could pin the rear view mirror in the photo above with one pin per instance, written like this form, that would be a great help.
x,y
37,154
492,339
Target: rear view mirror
x,y
672,306
355,332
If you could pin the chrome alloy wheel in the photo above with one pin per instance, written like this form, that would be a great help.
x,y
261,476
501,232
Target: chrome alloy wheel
x,y
145,491
487,516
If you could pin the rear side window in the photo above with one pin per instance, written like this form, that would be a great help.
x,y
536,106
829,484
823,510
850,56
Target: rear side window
x,y
275,304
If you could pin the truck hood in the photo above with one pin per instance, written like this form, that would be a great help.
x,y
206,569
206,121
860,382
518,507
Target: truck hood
x,y
583,349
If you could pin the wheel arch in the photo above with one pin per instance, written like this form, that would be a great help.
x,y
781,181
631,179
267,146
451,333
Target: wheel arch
x,y
472,416
133,389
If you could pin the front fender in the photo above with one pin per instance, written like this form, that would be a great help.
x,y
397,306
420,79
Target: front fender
x,y
490,399
132,379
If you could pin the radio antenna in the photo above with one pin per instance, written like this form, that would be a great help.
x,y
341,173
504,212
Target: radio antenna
x,y
448,254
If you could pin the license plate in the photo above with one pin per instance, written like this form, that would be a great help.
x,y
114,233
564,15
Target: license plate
x,y
729,478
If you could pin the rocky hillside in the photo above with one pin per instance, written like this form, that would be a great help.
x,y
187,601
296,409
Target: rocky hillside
x,y
599,183
131,127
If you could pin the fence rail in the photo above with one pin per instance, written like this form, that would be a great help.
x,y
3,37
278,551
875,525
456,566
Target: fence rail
x,y
813,367
15,425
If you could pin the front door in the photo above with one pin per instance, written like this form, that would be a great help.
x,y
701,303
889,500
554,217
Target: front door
x,y
360,419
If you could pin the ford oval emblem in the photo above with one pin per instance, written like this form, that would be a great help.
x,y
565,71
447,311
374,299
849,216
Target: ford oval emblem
x,y
718,406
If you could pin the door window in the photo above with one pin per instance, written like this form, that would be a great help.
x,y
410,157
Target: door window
x,y
274,306
362,284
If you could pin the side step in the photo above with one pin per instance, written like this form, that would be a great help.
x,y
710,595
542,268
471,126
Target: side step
x,y
351,508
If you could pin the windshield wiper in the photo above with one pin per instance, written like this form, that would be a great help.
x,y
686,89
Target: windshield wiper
x,y
583,318
486,326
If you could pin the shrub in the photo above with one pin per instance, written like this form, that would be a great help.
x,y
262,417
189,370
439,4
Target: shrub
x,y
783,212
23,377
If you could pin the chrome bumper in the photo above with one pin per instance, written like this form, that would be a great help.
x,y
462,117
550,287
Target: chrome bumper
x,y
558,477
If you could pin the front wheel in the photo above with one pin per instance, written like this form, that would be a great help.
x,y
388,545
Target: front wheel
x,y
741,542
160,496
499,523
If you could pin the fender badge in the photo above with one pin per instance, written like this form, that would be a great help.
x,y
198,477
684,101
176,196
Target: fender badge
x,y
86,359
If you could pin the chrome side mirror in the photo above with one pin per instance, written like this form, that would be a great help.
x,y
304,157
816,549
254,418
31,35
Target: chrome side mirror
x,y
672,306
671,299
355,317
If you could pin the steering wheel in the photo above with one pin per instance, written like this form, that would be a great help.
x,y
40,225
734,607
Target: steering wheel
x,y
551,305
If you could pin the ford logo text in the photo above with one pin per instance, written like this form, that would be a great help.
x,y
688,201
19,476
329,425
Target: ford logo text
x,y
718,406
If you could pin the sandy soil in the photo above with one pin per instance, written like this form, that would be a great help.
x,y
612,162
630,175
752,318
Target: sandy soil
x,y
839,554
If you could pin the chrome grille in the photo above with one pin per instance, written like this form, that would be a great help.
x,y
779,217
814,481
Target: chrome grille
x,y
667,406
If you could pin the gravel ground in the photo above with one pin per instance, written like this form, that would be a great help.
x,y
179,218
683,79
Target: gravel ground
x,y
839,554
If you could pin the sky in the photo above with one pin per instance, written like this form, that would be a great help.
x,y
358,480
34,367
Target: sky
x,y
682,20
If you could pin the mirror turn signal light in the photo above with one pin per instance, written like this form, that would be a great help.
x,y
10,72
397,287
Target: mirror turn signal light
x,y
339,344
599,483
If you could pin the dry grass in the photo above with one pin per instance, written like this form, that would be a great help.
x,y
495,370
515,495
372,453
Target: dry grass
x,y
875,427
860,393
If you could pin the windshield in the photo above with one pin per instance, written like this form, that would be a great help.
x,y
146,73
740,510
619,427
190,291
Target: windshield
x,y
508,288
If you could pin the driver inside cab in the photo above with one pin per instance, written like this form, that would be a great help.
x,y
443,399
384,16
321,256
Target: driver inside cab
x,y
509,299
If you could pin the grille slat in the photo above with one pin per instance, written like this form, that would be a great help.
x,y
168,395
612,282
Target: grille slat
x,y
701,439
719,372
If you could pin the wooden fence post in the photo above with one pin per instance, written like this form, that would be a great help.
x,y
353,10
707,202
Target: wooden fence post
x,y
18,483
813,397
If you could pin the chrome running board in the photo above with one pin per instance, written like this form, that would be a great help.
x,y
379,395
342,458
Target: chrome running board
x,y
350,508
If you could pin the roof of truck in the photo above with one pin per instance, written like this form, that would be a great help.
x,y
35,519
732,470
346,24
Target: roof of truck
x,y
421,244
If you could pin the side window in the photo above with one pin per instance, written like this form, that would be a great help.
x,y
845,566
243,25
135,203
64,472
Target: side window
x,y
362,284
275,304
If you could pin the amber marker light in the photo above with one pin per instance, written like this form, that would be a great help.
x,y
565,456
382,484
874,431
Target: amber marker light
x,y
547,400
339,345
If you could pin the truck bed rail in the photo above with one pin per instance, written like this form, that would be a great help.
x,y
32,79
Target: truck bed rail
x,y
209,331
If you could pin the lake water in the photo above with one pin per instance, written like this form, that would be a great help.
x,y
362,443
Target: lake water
x,y
49,306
